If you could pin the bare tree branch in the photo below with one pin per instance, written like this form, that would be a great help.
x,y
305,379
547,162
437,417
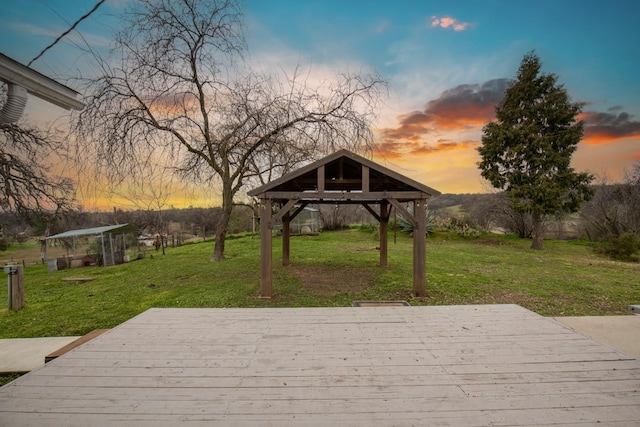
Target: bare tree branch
x,y
28,187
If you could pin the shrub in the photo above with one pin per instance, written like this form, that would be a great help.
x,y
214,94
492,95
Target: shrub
x,y
407,227
369,226
462,226
623,247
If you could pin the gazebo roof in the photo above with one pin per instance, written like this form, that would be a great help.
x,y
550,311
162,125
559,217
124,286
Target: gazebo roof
x,y
343,176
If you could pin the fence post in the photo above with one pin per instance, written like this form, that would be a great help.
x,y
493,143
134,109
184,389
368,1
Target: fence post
x,y
15,286
18,289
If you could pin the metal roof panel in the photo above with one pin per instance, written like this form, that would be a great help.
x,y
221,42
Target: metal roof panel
x,y
123,228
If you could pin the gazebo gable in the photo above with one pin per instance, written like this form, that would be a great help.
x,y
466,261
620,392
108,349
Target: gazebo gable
x,y
343,171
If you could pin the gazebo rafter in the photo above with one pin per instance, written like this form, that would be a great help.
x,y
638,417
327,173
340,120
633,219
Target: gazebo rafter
x,y
342,178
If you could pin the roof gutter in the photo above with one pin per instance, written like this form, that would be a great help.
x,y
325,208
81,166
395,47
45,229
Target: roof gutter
x,y
22,80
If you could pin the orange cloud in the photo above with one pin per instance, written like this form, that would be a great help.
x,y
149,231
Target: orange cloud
x,y
605,128
443,145
449,22
390,150
398,150
461,108
412,128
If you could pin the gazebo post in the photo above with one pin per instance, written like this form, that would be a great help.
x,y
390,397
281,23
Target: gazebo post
x,y
104,252
384,221
113,255
420,249
265,249
286,234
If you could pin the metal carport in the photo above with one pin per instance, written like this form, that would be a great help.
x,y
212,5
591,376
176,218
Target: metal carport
x,y
97,232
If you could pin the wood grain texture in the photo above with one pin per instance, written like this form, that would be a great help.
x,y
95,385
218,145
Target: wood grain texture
x,y
462,366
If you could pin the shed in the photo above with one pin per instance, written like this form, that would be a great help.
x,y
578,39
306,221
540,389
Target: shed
x,y
342,178
305,222
110,253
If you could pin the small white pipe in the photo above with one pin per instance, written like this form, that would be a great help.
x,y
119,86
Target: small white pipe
x,y
15,105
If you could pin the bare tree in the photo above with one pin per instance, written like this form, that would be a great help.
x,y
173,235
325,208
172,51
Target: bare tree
x,y
179,92
28,188
505,217
632,181
632,177
151,196
615,207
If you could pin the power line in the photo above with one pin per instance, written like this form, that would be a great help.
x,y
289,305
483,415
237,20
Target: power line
x,y
67,32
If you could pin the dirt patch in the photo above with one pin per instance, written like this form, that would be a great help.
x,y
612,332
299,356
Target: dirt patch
x,y
325,280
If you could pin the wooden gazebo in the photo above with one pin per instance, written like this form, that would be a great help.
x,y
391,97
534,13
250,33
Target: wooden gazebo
x,y
342,178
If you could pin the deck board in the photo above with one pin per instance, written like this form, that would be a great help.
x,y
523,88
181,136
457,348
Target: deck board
x,y
455,365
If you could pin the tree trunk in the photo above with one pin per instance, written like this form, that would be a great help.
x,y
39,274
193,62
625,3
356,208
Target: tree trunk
x,y
223,224
218,249
538,232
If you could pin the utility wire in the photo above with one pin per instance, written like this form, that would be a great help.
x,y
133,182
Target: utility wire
x,y
67,32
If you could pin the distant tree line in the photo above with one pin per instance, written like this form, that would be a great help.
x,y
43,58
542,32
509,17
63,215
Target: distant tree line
x,y
192,222
609,220
613,210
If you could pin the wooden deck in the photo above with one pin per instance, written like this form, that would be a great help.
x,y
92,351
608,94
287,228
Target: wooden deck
x,y
494,365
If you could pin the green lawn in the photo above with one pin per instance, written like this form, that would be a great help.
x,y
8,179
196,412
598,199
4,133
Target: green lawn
x,y
333,269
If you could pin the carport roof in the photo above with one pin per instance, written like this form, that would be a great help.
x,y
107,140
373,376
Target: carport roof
x,y
119,228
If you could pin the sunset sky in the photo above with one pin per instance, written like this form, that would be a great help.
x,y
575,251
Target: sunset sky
x,y
447,62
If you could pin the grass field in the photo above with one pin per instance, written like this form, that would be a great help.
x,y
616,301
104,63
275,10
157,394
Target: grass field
x,y
332,269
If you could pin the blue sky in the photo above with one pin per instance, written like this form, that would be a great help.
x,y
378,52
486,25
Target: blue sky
x,y
446,62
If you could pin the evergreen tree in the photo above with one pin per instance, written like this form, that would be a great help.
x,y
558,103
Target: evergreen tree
x,y
526,151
